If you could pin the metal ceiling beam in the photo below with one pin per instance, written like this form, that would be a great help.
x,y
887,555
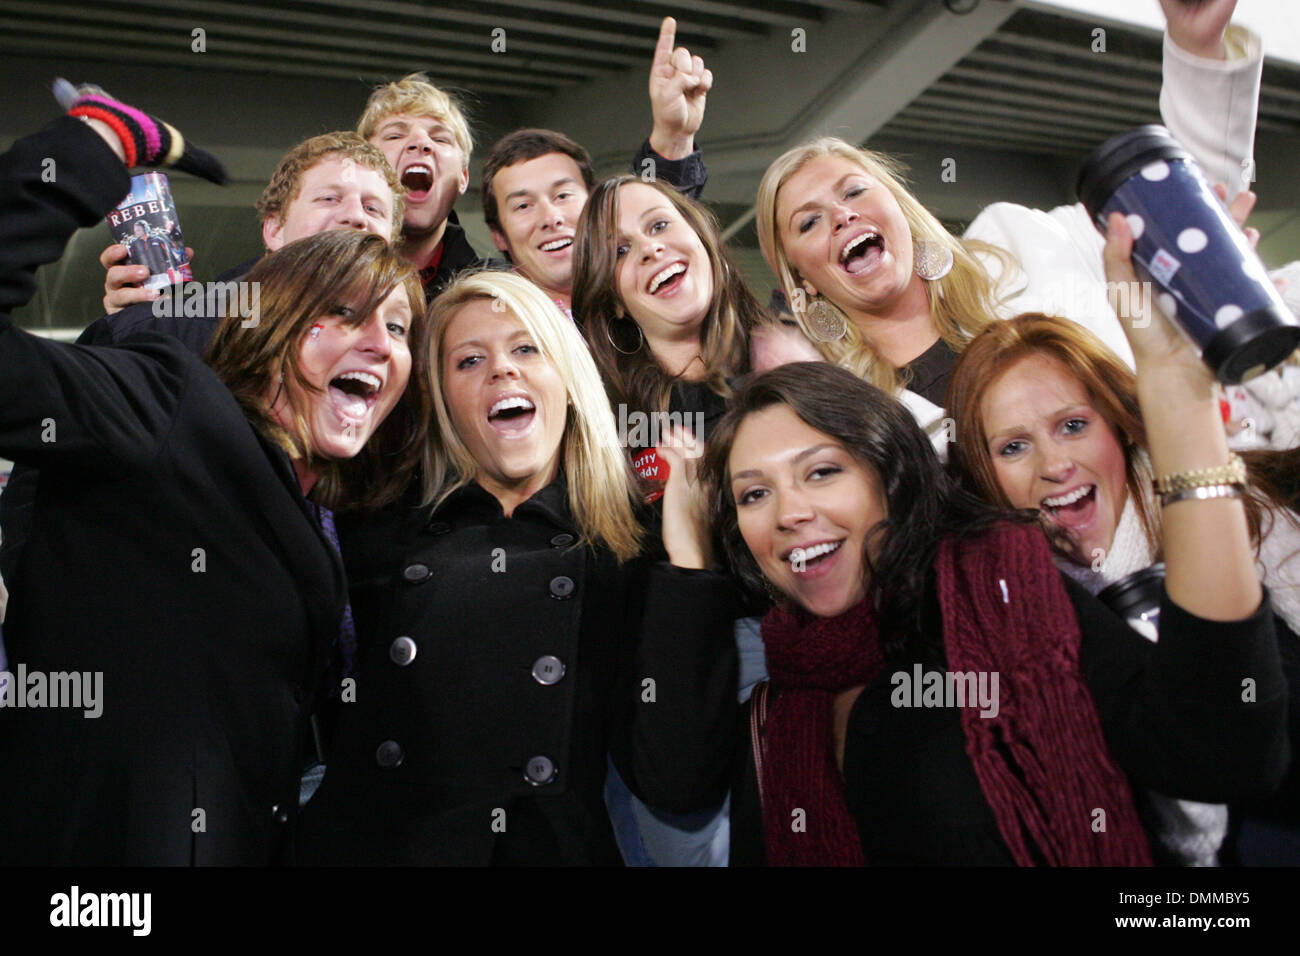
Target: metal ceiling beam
x,y
937,103
280,43
617,35
141,40
789,14
611,56
978,135
110,51
1078,73
721,19
960,81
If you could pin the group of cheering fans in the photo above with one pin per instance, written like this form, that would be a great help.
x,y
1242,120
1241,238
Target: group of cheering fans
x,y
370,578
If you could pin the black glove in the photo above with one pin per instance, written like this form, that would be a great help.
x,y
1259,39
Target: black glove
x,y
146,140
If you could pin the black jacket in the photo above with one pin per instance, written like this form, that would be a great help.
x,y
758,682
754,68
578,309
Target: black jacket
x,y
1171,713
499,664
172,552
457,254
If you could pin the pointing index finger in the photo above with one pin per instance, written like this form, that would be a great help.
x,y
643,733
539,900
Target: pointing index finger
x,y
667,37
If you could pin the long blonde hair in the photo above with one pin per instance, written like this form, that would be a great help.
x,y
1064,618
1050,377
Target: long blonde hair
x,y
596,468
961,303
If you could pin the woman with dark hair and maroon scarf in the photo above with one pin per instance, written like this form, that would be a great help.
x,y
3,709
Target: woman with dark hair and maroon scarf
x,y
940,694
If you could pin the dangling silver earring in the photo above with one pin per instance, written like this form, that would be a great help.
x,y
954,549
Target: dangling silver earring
x,y
931,260
825,322
609,334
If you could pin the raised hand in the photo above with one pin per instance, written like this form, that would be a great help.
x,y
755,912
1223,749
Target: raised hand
x,y
1157,343
679,84
122,280
686,526
1198,25
144,140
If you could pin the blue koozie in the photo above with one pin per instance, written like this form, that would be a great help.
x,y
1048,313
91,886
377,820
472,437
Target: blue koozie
x,y
1206,276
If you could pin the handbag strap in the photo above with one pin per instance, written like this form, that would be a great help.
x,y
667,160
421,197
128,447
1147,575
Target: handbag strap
x,y
757,722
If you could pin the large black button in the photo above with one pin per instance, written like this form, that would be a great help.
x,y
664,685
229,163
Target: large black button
x,y
562,540
561,587
389,754
437,527
279,814
402,651
416,573
548,670
539,770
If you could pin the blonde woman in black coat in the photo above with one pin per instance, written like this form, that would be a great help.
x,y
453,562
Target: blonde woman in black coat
x,y
516,625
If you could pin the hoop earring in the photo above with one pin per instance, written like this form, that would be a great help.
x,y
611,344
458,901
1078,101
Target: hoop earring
x,y
931,260
609,335
825,322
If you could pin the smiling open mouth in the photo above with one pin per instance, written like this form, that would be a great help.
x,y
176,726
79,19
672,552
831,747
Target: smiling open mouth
x,y
863,253
512,416
555,245
418,179
803,560
1072,508
353,394
668,278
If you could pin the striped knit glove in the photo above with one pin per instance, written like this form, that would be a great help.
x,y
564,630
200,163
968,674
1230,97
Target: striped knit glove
x,y
146,140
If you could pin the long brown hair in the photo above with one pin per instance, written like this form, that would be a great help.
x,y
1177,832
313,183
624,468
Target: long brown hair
x,y
294,287
1112,390
638,379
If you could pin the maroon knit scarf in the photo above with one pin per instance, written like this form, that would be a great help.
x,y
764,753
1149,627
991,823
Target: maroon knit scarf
x,y
1042,762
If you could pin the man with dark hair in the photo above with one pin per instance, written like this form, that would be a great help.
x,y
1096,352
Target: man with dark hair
x,y
536,181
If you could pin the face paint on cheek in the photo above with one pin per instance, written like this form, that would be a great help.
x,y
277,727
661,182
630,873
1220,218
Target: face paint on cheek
x,y
315,331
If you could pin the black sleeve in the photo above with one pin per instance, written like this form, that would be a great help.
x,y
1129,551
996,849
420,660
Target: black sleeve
x,y
688,175
1201,713
673,736
164,316
82,407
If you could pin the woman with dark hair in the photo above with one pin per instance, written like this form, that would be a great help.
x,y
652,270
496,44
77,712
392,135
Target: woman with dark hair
x,y
178,571
904,600
666,313
939,693
1049,419
670,321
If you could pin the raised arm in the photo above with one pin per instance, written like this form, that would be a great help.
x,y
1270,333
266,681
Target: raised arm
x,y
1210,95
679,85
88,408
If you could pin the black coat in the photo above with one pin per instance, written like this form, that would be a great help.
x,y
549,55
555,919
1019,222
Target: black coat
x,y
209,658
1171,713
499,665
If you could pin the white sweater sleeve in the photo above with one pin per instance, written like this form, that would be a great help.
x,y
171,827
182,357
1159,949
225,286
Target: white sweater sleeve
x,y
1211,106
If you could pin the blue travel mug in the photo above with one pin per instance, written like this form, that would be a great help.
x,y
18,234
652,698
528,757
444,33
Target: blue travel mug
x,y
1206,276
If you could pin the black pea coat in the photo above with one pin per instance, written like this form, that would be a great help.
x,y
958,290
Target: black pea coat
x,y
500,664
171,551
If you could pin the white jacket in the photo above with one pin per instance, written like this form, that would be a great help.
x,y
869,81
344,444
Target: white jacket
x,y
1210,106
